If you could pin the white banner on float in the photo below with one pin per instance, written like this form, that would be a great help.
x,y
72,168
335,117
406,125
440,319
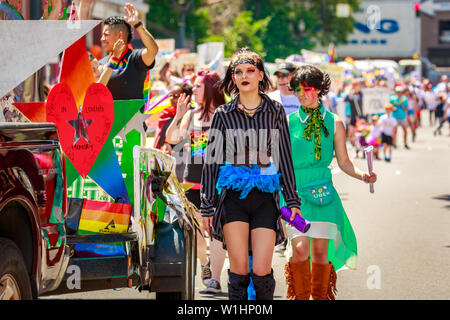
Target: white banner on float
x,y
29,45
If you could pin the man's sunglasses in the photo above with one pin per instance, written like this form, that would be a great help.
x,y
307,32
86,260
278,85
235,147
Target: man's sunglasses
x,y
282,75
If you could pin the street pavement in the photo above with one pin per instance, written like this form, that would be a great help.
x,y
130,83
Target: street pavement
x,y
402,229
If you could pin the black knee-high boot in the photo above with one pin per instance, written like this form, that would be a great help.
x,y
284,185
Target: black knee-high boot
x,y
264,286
237,286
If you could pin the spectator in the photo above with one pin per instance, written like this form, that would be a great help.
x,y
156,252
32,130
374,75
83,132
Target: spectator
x,y
387,124
440,114
430,101
283,95
400,103
195,125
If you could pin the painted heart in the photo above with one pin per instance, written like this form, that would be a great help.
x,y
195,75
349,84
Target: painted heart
x,y
82,130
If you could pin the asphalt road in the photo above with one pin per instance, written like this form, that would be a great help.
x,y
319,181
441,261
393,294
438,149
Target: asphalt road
x,y
402,229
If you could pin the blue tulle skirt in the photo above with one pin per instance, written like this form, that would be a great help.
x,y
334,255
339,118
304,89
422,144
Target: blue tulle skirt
x,y
244,179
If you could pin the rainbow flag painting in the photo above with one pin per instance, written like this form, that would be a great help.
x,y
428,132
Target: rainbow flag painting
x,y
102,217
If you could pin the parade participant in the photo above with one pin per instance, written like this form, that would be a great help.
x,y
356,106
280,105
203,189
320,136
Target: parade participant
x,y
283,95
188,71
413,108
165,119
374,138
316,134
107,70
168,114
194,125
440,114
430,101
400,103
387,124
354,97
130,70
248,159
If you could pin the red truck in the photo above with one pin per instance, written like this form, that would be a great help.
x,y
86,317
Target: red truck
x,y
37,246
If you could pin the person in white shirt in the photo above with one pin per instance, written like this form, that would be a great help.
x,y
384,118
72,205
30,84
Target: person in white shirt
x,y
387,124
441,87
283,95
431,102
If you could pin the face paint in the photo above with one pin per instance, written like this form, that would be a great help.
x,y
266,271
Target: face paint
x,y
306,91
239,72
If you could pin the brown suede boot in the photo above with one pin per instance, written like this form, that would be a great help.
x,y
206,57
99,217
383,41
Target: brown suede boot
x,y
323,281
298,279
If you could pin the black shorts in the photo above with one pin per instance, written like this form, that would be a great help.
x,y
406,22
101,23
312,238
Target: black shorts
x,y
257,209
386,139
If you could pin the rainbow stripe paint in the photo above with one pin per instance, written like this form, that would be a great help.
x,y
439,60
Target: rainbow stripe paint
x,y
104,217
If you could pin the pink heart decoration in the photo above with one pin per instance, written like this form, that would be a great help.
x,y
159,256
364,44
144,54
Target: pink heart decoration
x,y
82,133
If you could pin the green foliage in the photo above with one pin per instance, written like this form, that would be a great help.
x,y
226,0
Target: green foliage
x,y
297,25
166,16
245,31
273,28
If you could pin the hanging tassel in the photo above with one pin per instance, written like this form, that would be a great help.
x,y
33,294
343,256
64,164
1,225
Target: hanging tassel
x,y
332,290
289,281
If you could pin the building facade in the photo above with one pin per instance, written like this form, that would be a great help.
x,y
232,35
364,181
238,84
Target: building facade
x,y
435,30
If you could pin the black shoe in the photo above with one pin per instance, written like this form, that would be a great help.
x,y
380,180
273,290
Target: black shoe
x,y
281,247
406,146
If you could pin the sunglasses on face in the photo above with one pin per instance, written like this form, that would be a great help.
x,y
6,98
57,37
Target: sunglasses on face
x,y
282,75
175,96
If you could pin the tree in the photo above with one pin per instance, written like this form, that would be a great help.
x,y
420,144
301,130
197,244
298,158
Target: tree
x,y
273,28
244,31
297,25
164,17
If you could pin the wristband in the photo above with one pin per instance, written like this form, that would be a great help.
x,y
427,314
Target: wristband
x,y
137,25
113,62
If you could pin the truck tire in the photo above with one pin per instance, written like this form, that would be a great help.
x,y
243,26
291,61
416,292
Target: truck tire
x,y
14,280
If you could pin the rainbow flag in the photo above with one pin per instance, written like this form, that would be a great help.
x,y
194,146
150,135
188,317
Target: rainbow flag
x,y
147,85
332,54
350,60
104,217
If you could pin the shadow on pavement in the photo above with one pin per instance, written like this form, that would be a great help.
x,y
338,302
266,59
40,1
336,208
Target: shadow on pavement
x,y
445,197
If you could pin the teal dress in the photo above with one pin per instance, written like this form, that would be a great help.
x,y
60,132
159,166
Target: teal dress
x,y
327,221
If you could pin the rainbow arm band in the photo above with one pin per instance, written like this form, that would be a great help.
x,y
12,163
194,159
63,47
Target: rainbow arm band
x,y
113,62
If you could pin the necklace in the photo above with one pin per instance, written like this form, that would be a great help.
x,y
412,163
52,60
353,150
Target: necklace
x,y
248,109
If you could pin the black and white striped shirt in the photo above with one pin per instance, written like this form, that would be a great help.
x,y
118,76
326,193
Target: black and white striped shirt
x,y
231,131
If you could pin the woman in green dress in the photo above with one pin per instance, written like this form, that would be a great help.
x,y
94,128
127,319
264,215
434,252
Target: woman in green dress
x,y
330,242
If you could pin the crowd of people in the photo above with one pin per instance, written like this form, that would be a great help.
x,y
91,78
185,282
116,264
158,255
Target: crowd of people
x,y
240,179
